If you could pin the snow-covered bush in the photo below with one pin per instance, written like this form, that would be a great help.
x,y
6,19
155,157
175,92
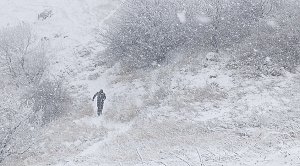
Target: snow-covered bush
x,y
49,101
270,54
22,56
15,134
219,24
274,44
142,32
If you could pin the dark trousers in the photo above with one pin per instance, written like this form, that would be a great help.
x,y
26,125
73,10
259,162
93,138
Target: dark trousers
x,y
100,108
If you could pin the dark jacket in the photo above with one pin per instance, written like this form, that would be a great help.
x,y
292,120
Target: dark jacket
x,y
100,98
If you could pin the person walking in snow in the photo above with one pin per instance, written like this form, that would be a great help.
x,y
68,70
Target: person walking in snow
x,y
100,101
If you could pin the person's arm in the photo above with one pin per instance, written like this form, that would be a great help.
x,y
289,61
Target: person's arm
x,y
104,96
95,96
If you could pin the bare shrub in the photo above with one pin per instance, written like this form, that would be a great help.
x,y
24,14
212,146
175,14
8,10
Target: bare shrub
x,y
273,45
219,24
142,32
22,56
15,134
49,101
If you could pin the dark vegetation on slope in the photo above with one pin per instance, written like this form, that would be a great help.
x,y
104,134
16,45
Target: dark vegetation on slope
x,y
264,34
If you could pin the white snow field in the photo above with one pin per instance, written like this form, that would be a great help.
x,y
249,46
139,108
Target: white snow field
x,y
175,115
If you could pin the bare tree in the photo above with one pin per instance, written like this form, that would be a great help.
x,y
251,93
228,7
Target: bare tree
x,y
23,59
21,54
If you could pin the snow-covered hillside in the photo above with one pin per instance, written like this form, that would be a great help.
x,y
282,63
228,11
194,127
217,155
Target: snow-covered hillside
x,y
191,111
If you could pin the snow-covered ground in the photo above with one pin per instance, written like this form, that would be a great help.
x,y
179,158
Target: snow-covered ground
x,y
191,112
